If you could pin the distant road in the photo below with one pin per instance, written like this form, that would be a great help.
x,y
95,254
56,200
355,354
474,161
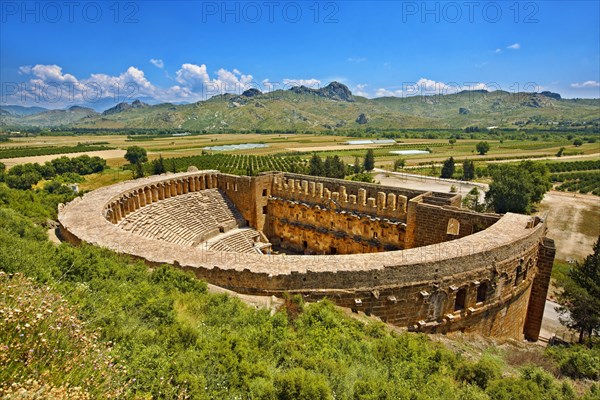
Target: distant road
x,y
591,156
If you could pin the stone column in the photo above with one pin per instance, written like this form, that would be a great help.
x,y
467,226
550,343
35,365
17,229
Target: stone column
x,y
304,187
184,186
125,206
391,201
380,200
362,196
154,191
148,195
311,189
121,208
401,204
142,197
539,290
136,200
319,190
161,191
352,199
371,203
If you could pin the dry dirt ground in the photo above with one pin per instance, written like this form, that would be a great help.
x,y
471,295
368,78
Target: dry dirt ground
x,y
106,154
573,223
420,182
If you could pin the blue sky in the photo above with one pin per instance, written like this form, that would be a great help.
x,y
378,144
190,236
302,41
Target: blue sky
x,y
186,51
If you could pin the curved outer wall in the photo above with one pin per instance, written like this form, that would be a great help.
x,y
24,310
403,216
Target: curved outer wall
x,y
493,281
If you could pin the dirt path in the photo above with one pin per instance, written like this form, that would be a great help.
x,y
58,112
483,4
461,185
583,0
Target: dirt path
x,y
573,223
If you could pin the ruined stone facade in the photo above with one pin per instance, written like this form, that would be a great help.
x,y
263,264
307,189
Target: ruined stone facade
x,y
412,258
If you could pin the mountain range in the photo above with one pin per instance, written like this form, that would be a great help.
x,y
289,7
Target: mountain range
x,y
331,108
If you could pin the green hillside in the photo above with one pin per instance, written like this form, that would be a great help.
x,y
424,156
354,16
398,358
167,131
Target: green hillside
x,y
333,108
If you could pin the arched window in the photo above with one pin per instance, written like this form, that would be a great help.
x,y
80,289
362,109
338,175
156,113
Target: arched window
x,y
461,299
482,292
453,227
519,275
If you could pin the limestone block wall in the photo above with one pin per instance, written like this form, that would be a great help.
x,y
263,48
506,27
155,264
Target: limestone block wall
x,y
249,194
432,224
383,202
312,229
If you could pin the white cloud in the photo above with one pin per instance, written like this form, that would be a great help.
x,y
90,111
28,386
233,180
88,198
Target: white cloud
x,y
359,90
382,92
25,70
497,51
515,46
311,83
50,85
52,73
192,75
586,84
157,62
357,59
428,87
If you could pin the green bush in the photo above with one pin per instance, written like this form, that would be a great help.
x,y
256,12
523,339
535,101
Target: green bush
x,y
577,361
300,384
481,373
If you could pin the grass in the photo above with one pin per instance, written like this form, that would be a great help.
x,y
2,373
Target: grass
x,y
560,270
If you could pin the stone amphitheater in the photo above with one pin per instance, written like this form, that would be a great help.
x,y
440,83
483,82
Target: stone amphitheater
x,y
415,259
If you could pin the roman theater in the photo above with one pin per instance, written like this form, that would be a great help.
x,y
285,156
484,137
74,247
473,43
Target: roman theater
x,y
414,259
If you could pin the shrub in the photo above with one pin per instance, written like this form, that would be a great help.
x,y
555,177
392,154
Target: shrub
x,y
481,373
300,384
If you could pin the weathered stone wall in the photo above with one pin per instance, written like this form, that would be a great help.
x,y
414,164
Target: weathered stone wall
x,y
539,290
375,200
433,224
249,194
478,282
314,229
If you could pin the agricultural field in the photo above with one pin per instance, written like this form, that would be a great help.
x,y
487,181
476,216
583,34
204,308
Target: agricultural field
x,y
305,145
237,164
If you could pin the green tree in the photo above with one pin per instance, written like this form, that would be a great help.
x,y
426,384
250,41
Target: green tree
x,y
369,162
24,181
158,166
482,147
580,297
472,201
515,188
138,172
452,142
315,165
362,177
577,142
136,154
448,168
399,164
468,170
357,167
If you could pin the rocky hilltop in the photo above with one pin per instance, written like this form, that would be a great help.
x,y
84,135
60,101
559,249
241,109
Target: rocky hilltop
x,y
332,108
